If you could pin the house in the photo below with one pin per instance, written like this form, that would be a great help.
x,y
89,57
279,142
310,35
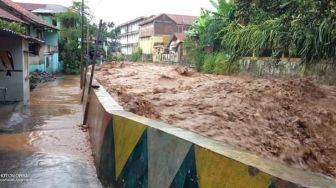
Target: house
x,y
20,32
172,52
175,46
47,57
156,32
16,86
129,35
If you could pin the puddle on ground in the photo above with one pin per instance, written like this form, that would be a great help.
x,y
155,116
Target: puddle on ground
x,y
38,169
43,140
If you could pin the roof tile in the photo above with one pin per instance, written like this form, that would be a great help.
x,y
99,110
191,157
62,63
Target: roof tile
x,y
23,13
4,14
178,19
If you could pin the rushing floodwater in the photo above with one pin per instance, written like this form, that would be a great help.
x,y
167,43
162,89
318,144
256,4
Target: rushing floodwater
x,y
41,145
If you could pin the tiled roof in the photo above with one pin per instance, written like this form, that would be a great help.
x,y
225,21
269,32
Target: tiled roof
x,y
23,14
151,19
7,32
31,6
132,21
43,8
4,14
178,19
182,19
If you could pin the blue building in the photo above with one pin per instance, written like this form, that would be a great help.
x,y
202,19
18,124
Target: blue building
x,y
47,58
16,47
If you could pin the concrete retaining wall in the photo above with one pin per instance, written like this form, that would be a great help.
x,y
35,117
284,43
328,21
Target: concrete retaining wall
x,y
133,151
323,72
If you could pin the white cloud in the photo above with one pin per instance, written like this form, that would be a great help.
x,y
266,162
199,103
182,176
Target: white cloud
x,y
120,11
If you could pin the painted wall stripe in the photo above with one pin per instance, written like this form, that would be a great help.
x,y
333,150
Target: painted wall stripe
x,y
214,170
126,135
165,156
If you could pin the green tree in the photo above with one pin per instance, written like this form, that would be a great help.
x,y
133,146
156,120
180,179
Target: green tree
x,y
295,28
69,41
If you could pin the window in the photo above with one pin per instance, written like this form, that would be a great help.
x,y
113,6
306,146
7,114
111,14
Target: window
x,y
180,28
39,34
34,48
28,30
54,22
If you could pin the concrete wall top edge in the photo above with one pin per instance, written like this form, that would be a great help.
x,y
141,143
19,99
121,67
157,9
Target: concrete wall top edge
x,y
274,168
109,104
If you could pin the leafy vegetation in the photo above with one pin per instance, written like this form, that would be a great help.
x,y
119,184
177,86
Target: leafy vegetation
x,y
217,63
209,63
136,54
294,28
109,35
13,26
68,44
195,53
114,57
70,49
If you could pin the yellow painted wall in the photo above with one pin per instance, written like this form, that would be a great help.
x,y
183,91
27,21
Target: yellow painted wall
x,y
147,44
217,171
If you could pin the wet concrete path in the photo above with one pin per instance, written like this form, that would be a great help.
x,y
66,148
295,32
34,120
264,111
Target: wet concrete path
x,y
41,145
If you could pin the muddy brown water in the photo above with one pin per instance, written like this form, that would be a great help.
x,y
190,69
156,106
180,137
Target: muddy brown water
x,y
290,120
41,144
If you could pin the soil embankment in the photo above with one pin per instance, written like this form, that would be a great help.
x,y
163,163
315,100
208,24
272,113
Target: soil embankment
x,y
292,120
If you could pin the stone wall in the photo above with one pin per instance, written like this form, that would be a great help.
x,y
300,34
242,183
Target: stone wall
x,y
133,151
323,72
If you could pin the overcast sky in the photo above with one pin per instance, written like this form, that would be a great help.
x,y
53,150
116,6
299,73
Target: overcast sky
x,y
120,11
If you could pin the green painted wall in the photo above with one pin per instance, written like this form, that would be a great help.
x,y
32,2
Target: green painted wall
x,y
51,37
51,62
32,31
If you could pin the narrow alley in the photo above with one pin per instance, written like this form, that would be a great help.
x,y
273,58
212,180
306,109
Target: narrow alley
x,y
41,145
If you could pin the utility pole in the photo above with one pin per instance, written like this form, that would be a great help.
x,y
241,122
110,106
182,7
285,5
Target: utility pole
x,y
85,64
87,38
82,48
94,61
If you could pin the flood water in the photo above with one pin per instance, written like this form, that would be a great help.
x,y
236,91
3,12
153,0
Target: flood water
x,y
41,144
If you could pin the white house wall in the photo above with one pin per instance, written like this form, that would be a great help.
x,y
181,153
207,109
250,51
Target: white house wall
x,y
129,37
26,87
17,87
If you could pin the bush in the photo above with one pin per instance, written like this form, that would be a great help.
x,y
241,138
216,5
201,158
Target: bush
x,y
136,57
71,58
119,57
12,26
136,54
225,66
34,80
195,54
218,64
209,63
